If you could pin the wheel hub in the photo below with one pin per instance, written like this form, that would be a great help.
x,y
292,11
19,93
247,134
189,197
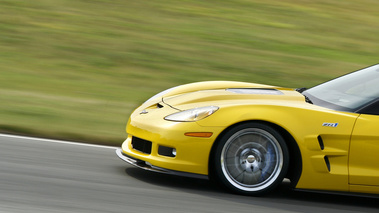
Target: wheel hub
x,y
251,160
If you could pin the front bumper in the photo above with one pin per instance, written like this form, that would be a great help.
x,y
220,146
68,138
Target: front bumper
x,y
147,166
148,127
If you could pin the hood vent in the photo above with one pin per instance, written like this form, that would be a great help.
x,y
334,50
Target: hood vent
x,y
255,91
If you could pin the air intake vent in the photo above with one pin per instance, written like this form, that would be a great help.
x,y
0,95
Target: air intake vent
x,y
321,142
255,91
327,162
141,145
167,151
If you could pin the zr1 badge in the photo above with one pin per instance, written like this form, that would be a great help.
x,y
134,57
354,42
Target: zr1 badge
x,y
330,124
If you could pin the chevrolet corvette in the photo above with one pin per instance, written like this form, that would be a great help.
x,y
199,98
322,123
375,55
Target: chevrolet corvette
x,y
249,137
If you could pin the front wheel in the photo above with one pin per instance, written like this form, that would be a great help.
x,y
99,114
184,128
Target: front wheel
x,y
251,159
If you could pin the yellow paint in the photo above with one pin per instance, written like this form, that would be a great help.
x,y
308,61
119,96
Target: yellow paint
x,y
302,120
364,159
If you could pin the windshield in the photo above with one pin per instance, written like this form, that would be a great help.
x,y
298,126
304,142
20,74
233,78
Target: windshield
x,y
349,92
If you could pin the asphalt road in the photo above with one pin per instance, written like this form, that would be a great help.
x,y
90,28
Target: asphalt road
x,y
45,176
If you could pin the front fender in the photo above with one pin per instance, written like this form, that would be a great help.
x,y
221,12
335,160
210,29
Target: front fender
x,y
306,127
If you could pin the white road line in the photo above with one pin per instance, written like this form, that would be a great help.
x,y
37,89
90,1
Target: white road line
x,y
57,141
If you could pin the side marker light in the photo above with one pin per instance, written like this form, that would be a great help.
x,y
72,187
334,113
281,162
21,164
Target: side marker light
x,y
199,134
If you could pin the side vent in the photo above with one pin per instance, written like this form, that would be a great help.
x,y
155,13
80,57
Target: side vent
x,y
327,162
321,142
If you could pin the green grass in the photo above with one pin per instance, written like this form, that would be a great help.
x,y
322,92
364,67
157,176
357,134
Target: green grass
x,y
75,69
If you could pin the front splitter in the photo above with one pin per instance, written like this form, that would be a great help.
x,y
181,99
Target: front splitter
x,y
149,167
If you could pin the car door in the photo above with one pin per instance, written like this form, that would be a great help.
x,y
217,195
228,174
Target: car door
x,y
364,149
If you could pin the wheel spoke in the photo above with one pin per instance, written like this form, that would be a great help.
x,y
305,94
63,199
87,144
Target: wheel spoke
x,y
251,159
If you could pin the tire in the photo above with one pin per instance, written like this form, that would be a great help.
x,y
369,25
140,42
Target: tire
x,y
251,159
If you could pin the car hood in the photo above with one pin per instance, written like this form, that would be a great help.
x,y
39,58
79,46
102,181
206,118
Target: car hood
x,y
232,93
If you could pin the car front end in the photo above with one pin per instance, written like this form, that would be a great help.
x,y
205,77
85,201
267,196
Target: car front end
x,y
174,131
165,145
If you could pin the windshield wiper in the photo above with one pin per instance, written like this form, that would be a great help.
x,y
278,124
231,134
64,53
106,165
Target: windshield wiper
x,y
301,90
307,99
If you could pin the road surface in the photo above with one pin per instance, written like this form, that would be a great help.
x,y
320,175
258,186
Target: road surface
x,y
53,176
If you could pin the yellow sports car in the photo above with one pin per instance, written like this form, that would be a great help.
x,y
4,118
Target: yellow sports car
x,y
249,137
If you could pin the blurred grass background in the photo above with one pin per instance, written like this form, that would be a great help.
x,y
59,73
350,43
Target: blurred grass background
x,y
75,69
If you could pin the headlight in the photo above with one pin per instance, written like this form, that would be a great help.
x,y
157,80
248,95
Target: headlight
x,y
195,114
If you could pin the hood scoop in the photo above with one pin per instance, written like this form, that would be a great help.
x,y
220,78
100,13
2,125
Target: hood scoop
x,y
255,91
